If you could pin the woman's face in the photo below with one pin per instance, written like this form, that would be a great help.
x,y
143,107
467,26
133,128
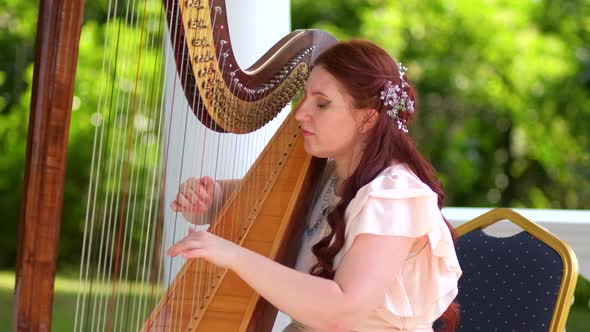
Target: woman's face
x,y
329,123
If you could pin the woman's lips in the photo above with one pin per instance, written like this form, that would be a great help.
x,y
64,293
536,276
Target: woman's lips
x,y
306,133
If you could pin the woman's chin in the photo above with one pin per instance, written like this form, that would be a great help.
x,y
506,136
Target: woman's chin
x,y
309,150
315,153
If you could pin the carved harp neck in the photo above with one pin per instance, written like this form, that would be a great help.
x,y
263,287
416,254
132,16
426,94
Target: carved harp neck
x,y
236,100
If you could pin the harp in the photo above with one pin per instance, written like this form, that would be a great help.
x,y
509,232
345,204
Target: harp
x,y
263,214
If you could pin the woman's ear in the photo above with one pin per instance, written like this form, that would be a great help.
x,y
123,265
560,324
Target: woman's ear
x,y
369,119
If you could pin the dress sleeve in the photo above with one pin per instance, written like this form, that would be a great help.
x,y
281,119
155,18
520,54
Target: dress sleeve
x,y
398,203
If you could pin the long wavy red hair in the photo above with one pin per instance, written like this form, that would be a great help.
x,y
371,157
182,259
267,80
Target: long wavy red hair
x,y
363,69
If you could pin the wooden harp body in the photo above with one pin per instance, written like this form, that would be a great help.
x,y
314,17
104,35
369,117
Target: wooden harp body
x,y
264,214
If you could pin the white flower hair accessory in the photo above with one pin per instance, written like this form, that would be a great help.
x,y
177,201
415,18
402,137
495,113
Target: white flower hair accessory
x,y
395,99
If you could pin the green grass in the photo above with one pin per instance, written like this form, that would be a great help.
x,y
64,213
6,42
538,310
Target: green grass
x,y
65,297
579,319
66,291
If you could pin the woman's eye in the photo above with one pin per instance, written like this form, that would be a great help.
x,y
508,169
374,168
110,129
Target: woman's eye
x,y
322,105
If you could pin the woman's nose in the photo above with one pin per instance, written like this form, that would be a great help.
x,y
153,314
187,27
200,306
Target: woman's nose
x,y
302,114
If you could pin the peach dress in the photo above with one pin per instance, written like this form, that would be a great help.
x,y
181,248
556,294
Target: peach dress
x,y
397,203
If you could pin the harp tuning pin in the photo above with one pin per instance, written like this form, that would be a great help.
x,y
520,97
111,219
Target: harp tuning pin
x,y
223,42
219,27
217,10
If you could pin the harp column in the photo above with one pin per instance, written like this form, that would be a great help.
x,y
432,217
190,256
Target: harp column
x,y
194,151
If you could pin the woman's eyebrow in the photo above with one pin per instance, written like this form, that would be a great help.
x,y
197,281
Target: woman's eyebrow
x,y
318,93
314,93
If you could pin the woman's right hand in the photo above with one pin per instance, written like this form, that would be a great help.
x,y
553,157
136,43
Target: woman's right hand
x,y
194,197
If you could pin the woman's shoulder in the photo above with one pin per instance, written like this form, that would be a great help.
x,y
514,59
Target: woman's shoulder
x,y
395,181
395,186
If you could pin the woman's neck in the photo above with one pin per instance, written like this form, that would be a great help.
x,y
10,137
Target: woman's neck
x,y
344,168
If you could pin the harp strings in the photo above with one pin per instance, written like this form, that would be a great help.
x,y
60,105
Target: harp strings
x,y
175,311
154,181
123,270
176,45
124,123
198,287
207,275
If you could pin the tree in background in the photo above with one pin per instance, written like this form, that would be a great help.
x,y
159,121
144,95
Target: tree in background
x,y
107,87
17,34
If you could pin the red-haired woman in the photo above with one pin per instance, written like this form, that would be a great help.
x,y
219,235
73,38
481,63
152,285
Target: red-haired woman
x,y
377,254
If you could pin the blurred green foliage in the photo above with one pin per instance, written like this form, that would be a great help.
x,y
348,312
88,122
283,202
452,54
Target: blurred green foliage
x,y
504,91
103,94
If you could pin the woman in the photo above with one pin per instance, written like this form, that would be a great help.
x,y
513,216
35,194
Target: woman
x,y
377,254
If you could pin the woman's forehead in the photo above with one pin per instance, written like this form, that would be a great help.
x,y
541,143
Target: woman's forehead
x,y
322,82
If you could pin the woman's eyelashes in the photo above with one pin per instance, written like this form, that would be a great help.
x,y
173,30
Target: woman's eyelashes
x,y
322,104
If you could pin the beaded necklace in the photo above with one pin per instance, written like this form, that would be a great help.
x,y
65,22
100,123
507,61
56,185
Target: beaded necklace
x,y
325,207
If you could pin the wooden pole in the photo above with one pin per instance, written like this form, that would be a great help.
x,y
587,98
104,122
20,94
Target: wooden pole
x,y
56,52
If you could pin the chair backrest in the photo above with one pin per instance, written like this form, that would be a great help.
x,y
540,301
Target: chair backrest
x,y
524,282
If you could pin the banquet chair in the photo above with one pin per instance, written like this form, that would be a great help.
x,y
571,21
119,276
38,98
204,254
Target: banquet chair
x,y
524,282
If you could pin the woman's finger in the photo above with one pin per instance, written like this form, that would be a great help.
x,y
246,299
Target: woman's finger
x,y
183,201
201,207
192,182
176,207
203,195
194,195
183,245
194,253
188,185
207,183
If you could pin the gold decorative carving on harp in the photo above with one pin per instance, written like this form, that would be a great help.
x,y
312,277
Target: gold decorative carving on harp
x,y
264,213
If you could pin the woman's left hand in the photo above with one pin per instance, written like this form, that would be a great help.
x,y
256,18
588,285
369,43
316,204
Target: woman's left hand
x,y
202,244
